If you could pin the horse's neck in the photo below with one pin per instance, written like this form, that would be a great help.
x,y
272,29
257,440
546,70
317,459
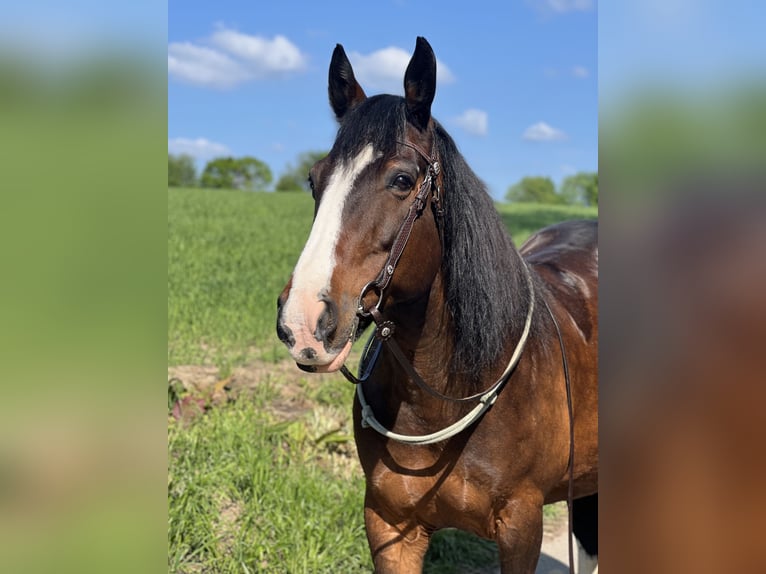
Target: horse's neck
x,y
424,333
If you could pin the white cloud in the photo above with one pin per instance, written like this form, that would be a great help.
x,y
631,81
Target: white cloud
x,y
263,56
542,132
580,72
199,148
562,6
473,121
228,58
204,66
384,69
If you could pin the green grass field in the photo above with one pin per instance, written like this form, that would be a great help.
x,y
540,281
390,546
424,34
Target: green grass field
x,y
229,255
266,478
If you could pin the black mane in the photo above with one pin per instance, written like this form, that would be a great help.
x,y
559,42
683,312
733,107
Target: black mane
x,y
485,285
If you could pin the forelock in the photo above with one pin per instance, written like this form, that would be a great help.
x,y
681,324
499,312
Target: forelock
x,y
379,120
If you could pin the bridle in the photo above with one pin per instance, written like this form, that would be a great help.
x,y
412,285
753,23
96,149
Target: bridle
x,y
429,183
384,331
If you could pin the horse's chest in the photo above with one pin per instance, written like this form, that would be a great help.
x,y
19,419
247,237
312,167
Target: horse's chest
x,y
440,500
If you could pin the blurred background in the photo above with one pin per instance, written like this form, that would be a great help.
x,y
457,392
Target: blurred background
x,y
82,286
682,144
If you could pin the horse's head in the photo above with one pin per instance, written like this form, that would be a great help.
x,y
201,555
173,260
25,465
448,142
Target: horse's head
x,y
363,192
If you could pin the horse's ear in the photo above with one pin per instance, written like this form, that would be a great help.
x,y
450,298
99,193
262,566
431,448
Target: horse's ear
x,y
345,92
420,84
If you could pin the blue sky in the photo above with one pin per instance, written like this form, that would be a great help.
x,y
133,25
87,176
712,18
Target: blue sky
x,y
517,82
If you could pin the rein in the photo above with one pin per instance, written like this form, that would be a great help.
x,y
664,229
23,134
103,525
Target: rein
x,y
570,488
485,399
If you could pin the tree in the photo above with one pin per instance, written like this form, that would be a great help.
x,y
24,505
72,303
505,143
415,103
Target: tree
x,y
296,178
181,171
533,190
290,181
581,187
236,173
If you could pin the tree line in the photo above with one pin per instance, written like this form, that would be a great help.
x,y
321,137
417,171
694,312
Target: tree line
x,y
578,189
247,173
251,174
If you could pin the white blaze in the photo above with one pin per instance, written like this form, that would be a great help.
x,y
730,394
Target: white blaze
x,y
312,274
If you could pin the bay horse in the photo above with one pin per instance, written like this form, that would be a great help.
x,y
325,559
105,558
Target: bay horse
x,y
483,355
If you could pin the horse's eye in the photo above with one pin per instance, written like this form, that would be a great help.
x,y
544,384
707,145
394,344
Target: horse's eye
x,y
311,186
402,182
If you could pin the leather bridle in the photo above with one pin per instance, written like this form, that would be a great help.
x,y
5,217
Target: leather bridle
x,y
417,206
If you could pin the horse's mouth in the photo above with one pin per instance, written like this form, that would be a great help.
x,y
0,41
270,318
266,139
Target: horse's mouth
x,y
334,365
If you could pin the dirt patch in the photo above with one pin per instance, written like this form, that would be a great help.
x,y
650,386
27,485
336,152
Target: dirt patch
x,y
555,521
289,384
225,525
322,427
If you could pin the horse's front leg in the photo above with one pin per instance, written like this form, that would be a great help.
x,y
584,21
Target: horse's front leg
x,y
519,534
395,548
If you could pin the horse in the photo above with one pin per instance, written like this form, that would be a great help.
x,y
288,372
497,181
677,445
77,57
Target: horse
x,y
477,396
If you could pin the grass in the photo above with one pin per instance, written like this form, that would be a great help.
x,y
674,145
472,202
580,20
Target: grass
x,y
267,480
523,219
249,492
230,253
456,552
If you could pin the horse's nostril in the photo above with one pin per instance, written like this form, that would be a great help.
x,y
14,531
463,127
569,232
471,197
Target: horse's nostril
x,y
284,332
327,323
308,353
285,335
